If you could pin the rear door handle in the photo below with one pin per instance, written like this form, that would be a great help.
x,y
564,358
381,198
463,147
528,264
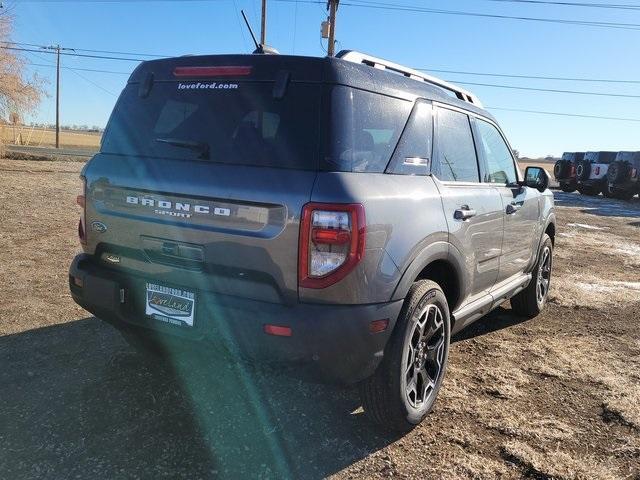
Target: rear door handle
x,y
513,208
464,213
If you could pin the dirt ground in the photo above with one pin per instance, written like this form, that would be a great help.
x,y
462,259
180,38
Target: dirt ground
x,y
553,397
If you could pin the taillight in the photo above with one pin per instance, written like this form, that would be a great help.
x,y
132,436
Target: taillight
x,y
573,170
634,172
81,200
332,242
597,170
200,72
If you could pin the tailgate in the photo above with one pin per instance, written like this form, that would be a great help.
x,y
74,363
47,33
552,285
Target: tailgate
x,y
229,229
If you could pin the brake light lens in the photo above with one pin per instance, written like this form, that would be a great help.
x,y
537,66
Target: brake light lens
x,y
332,243
200,72
634,172
597,170
81,200
573,170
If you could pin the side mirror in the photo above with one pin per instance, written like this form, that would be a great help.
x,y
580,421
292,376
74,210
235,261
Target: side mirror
x,y
536,177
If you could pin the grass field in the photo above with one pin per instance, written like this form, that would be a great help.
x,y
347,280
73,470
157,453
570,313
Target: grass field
x,y
41,137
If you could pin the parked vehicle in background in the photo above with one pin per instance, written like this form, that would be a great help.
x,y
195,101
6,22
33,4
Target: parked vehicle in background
x,y
591,172
623,176
564,171
346,213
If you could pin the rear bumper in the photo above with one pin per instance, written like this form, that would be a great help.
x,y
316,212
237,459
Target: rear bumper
x,y
592,182
333,339
566,179
627,186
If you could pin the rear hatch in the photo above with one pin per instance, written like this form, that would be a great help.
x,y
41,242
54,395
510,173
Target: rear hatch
x,y
204,169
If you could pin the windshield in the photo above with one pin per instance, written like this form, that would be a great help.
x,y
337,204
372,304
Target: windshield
x,y
237,123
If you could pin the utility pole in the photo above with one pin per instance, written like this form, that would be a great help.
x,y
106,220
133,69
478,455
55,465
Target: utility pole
x,y
332,6
57,49
263,24
57,96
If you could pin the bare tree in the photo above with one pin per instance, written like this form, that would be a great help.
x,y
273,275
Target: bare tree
x,y
18,93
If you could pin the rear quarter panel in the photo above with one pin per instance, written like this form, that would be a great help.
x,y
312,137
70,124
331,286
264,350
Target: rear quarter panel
x,y
404,216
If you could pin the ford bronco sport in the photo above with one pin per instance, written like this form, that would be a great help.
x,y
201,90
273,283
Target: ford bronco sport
x,y
347,213
623,175
591,172
565,171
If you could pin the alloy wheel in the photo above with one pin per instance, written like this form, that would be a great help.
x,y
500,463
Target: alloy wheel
x,y
544,276
423,363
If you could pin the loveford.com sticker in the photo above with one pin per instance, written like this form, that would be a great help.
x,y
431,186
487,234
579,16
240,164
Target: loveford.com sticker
x,y
207,86
170,305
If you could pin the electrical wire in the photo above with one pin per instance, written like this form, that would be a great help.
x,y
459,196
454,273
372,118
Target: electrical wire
x,y
532,77
550,90
563,114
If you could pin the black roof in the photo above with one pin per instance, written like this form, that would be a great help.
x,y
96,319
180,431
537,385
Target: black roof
x,y
308,69
600,156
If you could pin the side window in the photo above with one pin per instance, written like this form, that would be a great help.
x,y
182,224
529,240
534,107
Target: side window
x,y
456,159
413,154
500,165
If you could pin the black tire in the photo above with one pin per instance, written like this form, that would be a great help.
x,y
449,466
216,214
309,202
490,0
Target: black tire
x,y
528,303
558,169
589,190
624,194
568,187
608,191
617,172
583,170
388,397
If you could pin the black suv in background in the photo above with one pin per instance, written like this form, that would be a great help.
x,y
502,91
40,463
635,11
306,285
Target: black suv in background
x,y
565,171
591,172
623,181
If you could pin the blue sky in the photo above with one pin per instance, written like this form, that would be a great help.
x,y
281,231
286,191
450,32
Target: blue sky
x,y
421,40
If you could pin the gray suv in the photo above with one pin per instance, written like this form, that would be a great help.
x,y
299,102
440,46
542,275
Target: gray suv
x,y
347,214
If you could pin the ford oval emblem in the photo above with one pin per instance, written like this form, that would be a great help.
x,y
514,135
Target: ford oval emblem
x,y
98,227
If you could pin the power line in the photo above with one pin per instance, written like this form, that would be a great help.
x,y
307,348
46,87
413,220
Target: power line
x,y
80,69
92,82
573,4
550,90
562,114
417,9
73,54
533,77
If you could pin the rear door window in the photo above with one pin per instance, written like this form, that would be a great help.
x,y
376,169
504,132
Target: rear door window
x,y
364,129
244,125
455,157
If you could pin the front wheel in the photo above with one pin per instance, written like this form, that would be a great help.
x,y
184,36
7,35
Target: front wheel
x,y
402,391
530,301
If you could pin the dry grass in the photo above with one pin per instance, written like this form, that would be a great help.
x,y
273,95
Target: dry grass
x,y
40,137
546,463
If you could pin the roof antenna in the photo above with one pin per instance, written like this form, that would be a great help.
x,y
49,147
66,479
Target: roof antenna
x,y
260,48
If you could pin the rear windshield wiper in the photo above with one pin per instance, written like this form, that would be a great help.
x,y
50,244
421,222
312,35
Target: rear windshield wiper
x,y
201,147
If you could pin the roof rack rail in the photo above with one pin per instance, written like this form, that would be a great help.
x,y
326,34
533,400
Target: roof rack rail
x,y
357,57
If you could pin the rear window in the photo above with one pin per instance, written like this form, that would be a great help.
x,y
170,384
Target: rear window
x,y
364,129
242,123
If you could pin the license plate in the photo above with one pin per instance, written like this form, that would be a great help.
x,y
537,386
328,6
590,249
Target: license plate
x,y
170,305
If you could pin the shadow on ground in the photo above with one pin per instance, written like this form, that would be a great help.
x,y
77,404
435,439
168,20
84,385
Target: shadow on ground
x,y
495,320
78,402
599,205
